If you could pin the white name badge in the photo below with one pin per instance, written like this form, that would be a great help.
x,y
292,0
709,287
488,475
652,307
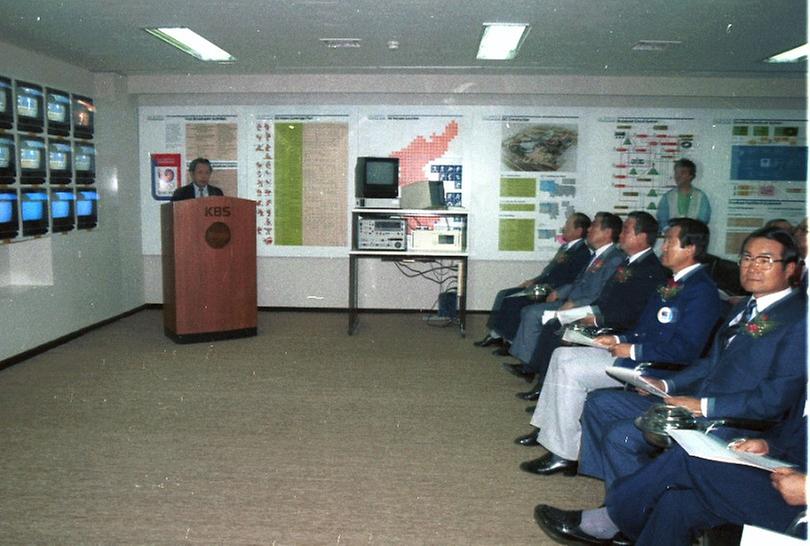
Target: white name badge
x,y
667,315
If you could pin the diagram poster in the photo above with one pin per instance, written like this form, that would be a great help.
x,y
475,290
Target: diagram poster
x,y
300,165
768,174
428,147
538,177
642,154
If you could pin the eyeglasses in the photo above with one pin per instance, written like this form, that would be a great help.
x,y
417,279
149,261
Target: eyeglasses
x,y
764,263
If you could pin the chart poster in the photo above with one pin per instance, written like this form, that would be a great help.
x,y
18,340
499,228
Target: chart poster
x,y
167,173
768,175
300,163
538,179
428,147
642,154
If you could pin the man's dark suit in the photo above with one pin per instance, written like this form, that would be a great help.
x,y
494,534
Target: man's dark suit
x,y
187,192
562,269
756,376
675,495
618,307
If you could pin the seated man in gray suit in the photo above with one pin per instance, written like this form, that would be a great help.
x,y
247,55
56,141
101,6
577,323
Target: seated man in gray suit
x,y
602,236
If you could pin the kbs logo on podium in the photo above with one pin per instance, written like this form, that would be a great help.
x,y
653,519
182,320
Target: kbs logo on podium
x,y
218,212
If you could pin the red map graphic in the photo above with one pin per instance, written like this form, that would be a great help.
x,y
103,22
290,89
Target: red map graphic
x,y
415,156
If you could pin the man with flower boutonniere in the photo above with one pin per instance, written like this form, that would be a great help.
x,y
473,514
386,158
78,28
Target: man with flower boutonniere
x,y
620,302
674,328
756,370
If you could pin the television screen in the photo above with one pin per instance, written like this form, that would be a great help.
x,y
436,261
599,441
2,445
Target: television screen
x,y
60,209
30,158
84,162
377,177
86,209
27,106
33,206
83,116
59,154
57,161
8,215
58,108
6,101
5,156
8,160
381,173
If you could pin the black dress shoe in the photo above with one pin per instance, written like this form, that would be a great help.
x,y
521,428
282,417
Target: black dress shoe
x,y
518,371
503,350
619,539
487,341
563,525
529,396
530,440
550,464
530,409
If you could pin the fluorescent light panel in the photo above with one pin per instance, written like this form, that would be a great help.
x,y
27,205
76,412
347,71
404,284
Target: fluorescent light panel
x,y
188,41
791,56
501,41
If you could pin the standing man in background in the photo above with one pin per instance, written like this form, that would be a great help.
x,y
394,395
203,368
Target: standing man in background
x,y
200,172
685,201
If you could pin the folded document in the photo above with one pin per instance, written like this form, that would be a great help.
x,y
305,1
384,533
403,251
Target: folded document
x,y
705,446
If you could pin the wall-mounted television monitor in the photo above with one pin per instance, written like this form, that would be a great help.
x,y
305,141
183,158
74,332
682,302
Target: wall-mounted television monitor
x,y
62,217
84,114
377,177
57,112
9,224
86,209
84,162
31,157
34,211
8,159
60,161
30,107
6,104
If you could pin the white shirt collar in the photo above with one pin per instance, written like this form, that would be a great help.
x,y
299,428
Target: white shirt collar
x,y
638,255
685,271
569,244
763,302
601,250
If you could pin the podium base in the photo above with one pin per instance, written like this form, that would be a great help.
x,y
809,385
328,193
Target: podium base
x,y
209,336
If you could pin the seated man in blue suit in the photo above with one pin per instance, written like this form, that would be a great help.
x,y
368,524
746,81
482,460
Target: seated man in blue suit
x,y
757,368
674,327
199,171
675,497
602,236
570,259
620,302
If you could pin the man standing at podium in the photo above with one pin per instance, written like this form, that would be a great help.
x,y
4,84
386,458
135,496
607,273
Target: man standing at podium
x,y
200,172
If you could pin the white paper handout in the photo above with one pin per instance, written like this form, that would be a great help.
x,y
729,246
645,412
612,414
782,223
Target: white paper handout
x,y
699,444
572,315
576,336
633,377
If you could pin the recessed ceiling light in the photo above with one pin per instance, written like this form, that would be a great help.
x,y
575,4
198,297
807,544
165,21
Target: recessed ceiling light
x,y
188,41
341,43
501,41
655,45
791,56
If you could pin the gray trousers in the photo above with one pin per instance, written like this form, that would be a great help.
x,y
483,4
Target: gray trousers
x,y
572,374
528,333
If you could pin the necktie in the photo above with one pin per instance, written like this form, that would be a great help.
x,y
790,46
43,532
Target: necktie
x,y
745,318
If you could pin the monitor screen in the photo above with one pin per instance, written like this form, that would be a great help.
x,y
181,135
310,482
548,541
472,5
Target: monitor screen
x,y
83,113
60,204
30,158
85,202
381,173
6,211
3,102
5,155
83,162
57,161
58,107
27,106
33,210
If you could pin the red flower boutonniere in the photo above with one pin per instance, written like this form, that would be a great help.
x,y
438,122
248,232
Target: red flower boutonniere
x,y
670,289
623,274
596,265
561,257
759,326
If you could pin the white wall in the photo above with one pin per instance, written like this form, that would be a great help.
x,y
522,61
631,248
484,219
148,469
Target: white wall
x,y
318,282
96,274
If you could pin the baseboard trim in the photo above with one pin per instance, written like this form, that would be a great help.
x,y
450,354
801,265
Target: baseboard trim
x,y
25,355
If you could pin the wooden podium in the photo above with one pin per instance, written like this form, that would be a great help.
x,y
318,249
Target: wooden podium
x,y
209,269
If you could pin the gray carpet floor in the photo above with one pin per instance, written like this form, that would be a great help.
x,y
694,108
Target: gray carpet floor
x,y
400,434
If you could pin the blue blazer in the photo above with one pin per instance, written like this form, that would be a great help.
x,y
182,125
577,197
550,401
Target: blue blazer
x,y
626,292
590,281
565,266
675,327
755,376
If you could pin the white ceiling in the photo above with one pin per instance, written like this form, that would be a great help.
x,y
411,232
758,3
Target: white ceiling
x,y
584,37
